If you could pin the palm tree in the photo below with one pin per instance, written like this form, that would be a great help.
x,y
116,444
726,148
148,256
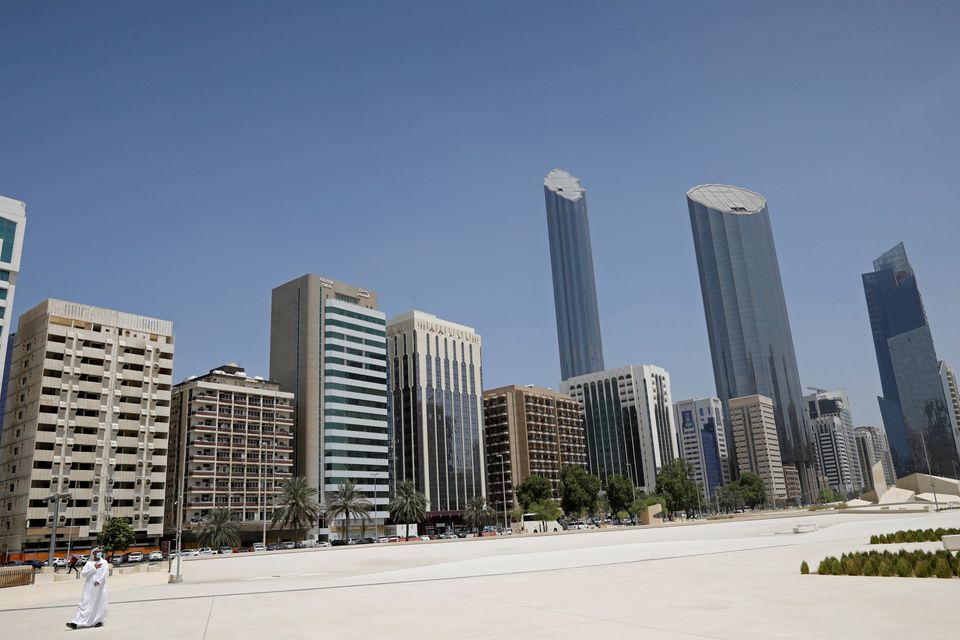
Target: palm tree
x,y
347,502
478,512
296,507
408,505
219,530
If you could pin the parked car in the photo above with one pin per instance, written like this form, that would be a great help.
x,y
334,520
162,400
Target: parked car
x,y
259,546
36,564
272,547
339,542
288,545
325,543
155,556
59,563
204,551
225,550
135,556
118,560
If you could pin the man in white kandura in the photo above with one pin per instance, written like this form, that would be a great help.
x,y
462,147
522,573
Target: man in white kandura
x,y
93,604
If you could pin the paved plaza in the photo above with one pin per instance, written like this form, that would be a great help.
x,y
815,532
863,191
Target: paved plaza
x,y
719,579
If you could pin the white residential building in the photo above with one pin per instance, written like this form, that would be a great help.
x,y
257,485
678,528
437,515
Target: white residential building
x,y
832,425
873,447
328,347
703,441
436,410
88,414
628,416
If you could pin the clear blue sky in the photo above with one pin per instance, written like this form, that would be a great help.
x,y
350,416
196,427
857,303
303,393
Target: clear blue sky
x,y
181,160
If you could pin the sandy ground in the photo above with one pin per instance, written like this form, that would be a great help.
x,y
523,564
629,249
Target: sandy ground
x,y
724,579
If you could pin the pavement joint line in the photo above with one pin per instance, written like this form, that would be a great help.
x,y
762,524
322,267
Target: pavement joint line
x,y
209,615
586,619
411,581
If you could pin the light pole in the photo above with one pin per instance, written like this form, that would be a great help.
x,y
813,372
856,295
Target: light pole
x,y
55,498
933,487
180,490
503,492
633,487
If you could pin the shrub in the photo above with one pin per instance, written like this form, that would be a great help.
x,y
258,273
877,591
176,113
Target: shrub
x,y
874,539
887,567
824,568
848,566
871,566
942,569
904,567
922,569
804,568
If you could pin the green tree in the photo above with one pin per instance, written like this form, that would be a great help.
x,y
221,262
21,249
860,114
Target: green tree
x,y
578,490
602,506
620,493
730,496
827,495
347,502
638,506
516,514
296,507
116,535
408,505
219,529
675,483
532,490
478,512
754,491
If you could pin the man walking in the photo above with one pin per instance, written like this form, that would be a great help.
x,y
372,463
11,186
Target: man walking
x,y
93,603
72,564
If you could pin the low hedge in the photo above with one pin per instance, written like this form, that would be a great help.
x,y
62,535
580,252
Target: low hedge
x,y
913,535
905,564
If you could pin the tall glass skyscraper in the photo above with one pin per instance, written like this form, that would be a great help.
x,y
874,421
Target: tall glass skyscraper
x,y
913,406
574,286
746,313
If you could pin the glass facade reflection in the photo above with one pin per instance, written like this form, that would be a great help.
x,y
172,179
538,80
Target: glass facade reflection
x,y
913,405
574,286
746,313
436,412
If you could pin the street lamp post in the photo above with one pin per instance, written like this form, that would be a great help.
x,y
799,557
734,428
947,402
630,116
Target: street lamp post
x,y
503,492
933,487
55,498
180,490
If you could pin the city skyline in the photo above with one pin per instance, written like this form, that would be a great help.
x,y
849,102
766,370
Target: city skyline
x,y
641,248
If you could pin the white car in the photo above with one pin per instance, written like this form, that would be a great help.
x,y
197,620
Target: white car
x,y
155,556
59,563
135,556
204,551
226,550
259,546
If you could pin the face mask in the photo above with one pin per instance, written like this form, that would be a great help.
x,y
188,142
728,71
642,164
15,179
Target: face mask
x,y
100,555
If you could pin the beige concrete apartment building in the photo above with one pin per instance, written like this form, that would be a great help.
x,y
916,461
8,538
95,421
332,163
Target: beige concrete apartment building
x,y
755,439
529,430
231,447
88,415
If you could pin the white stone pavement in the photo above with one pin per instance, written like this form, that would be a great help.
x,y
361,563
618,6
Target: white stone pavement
x,y
725,579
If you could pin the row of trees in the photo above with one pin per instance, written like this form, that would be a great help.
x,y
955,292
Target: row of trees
x,y
297,508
